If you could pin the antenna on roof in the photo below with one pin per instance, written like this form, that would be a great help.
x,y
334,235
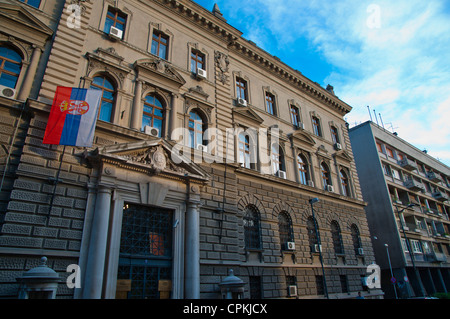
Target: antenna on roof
x,y
368,108
375,113
381,120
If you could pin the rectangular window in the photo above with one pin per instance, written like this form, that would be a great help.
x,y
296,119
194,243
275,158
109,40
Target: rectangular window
x,y
416,247
115,18
396,174
241,89
316,126
295,116
390,152
387,170
160,43
270,104
197,61
379,147
334,135
244,150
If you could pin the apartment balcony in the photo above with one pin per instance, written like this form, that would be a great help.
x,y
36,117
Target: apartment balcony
x,y
432,176
436,257
413,185
429,257
440,196
407,164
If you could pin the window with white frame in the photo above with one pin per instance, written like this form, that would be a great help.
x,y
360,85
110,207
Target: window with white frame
x,y
416,246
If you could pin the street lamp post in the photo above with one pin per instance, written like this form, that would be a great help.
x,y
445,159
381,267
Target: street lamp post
x,y
312,201
390,267
411,253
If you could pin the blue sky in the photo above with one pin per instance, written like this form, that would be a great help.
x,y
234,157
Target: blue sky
x,y
393,56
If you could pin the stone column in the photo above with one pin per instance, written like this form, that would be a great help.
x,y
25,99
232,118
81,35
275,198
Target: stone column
x,y
137,108
295,155
192,252
31,73
97,247
173,115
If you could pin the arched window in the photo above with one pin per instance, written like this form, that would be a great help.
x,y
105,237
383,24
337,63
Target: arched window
x,y
252,227
344,183
337,238
10,66
303,169
108,92
278,163
285,229
196,129
153,114
326,178
356,239
311,229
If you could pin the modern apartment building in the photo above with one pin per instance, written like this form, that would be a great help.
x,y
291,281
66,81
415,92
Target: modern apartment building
x,y
207,155
408,210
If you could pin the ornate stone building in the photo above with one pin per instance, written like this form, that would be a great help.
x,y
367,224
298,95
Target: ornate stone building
x,y
206,155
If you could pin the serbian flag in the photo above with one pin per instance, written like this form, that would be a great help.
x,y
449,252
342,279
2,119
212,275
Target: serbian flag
x,y
73,117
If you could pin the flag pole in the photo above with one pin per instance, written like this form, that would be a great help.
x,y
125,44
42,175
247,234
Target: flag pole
x,y
56,184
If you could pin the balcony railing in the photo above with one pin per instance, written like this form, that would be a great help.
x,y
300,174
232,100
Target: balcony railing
x,y
436,257
440,196
429,257
432,176
407,164
413,185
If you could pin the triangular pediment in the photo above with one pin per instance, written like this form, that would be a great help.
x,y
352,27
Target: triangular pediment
x,y
155,66
343,155
16,13
156,157
247,113
303,136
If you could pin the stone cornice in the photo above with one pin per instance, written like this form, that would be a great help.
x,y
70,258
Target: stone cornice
x,y
202,17
256,55
248,50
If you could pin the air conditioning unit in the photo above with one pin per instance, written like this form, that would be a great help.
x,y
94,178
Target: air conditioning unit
x,y
202,148
292,291
290,245
317,248
241,102
7,92
150,130
338,146
330,188
311,183
360,251
201,74
116,33
281,174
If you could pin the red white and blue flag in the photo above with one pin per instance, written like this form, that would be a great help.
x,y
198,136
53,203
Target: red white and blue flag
x,y
73,117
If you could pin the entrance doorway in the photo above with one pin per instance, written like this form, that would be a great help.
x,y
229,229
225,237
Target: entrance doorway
x,y
145,258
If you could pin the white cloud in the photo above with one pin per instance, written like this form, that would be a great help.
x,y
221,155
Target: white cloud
x,y
398,66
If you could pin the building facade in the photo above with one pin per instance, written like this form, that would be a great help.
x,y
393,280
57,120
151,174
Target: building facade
x,y
206,155
408,210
